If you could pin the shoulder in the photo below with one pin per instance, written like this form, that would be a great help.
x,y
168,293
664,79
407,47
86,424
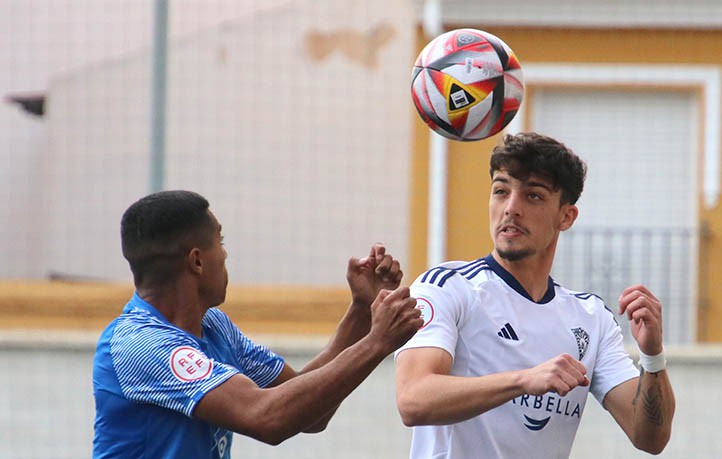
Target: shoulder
x,y
218,324
592,303
459,273
215,318
137,323
139,332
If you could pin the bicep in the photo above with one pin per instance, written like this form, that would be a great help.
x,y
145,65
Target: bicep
x,y
413,364
236,405
286,374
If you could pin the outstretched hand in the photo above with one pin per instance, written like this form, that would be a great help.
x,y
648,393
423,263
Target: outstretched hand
x,y
368,276
644,311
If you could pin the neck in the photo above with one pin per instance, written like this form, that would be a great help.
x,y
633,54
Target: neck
x,y
180,305
532,273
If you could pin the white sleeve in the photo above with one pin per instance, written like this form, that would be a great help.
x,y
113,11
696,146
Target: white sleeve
x,y
613,365
441,294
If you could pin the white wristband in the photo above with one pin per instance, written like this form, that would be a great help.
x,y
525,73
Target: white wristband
x,y
652,363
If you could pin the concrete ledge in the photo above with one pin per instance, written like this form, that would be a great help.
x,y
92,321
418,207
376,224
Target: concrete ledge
x,y
291,344
88,306
83,340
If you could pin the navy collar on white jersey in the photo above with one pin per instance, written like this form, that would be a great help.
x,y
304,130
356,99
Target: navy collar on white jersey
x,y
513,283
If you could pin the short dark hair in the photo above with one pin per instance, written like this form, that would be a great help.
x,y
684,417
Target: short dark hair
x,y
158,230
528,153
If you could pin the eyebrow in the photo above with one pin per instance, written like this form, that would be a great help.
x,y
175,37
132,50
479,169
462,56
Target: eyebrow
x,y
533,183
528,183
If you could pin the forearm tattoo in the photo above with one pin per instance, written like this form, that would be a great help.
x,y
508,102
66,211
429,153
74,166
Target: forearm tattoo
x,y
651,400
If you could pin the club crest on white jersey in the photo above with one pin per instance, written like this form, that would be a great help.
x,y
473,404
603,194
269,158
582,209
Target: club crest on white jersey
x,y
582,341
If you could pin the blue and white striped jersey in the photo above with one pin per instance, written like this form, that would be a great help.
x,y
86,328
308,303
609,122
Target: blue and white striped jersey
x,y
479,314
148,376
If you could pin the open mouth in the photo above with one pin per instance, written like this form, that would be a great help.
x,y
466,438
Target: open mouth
x,y
510,230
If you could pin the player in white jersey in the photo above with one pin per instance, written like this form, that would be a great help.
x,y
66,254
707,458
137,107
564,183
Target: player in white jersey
x,y
173,377
506,357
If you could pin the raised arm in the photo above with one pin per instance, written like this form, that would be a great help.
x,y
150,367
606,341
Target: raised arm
x,y
427,395
277,413
644,406
366,277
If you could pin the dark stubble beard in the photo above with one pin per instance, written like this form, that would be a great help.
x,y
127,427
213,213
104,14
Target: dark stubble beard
x,y
514,255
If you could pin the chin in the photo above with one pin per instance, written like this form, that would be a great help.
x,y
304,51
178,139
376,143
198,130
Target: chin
x,y
514,255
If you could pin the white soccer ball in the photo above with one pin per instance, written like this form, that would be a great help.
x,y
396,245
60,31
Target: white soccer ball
x,y
467,84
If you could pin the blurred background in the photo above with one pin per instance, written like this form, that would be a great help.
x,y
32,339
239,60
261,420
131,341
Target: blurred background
x,y
294,119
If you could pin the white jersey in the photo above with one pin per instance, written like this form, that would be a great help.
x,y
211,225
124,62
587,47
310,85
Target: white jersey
x,y
483,317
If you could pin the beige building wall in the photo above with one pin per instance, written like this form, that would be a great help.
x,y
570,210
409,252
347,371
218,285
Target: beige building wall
x,y
293,121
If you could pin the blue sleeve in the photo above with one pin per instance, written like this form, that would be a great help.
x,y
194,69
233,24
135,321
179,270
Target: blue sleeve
x,y
163,366
255,361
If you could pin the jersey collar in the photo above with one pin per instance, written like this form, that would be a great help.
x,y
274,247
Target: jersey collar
x,y
513,283
139,303
136,302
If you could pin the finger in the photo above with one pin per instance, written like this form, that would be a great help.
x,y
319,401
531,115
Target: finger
x,y
570,380
381,296
630,293
395,274
562,388
629,296
353,264
371,258
414,318
394,268
643,303
384,264
378,251
397,278
579,367
640,288
399,293
410,304
574,368
646,316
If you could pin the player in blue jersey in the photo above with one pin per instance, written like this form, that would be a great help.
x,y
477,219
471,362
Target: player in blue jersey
x,y
173,377
506,357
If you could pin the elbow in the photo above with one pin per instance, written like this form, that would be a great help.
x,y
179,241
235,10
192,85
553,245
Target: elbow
x,y
269,437
652,449
411,411
272,432
276,431
273,438
316,428
654,445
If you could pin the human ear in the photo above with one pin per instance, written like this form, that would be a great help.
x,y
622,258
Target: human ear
x,y
569,214
195,260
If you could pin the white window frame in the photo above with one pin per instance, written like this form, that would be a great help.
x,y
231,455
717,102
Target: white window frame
x,y
706,79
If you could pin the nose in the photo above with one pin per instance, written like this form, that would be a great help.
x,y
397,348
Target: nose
x,y
513,204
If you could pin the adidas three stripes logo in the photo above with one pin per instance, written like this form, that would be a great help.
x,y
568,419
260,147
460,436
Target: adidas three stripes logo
x,y
507,332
